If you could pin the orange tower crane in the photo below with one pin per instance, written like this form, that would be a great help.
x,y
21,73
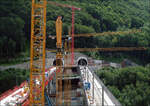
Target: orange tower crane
x,y
37,52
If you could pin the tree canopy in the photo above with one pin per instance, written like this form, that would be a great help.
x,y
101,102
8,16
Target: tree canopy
x,y
131,86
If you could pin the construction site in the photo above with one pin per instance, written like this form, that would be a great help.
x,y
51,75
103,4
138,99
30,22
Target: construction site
x,y
64,76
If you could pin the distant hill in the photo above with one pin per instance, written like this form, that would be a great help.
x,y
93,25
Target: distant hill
x,y
95,16
103,15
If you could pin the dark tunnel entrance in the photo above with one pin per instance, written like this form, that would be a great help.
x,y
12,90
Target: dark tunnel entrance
x,y
82,62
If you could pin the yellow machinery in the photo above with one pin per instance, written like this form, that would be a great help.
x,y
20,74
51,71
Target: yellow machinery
x,y
59,32
59,62
37,52
59,72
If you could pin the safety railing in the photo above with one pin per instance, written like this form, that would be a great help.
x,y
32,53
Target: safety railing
x,y
104,89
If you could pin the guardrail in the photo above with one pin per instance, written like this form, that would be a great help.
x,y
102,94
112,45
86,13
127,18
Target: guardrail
x,y
104,88
84,93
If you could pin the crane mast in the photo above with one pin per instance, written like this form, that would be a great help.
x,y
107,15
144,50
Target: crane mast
x,y
37,52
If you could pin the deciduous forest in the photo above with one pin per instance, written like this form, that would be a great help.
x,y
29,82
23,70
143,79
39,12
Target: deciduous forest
x,y
131,86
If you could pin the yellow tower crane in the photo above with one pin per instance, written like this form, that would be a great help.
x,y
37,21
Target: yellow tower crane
x,y
37,52
104,49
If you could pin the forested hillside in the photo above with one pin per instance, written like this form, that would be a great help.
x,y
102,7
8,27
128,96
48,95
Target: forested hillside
x,y
95,16
14,27
131,86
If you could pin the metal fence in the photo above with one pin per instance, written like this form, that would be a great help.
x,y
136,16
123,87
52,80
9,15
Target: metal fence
x,y
104,89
